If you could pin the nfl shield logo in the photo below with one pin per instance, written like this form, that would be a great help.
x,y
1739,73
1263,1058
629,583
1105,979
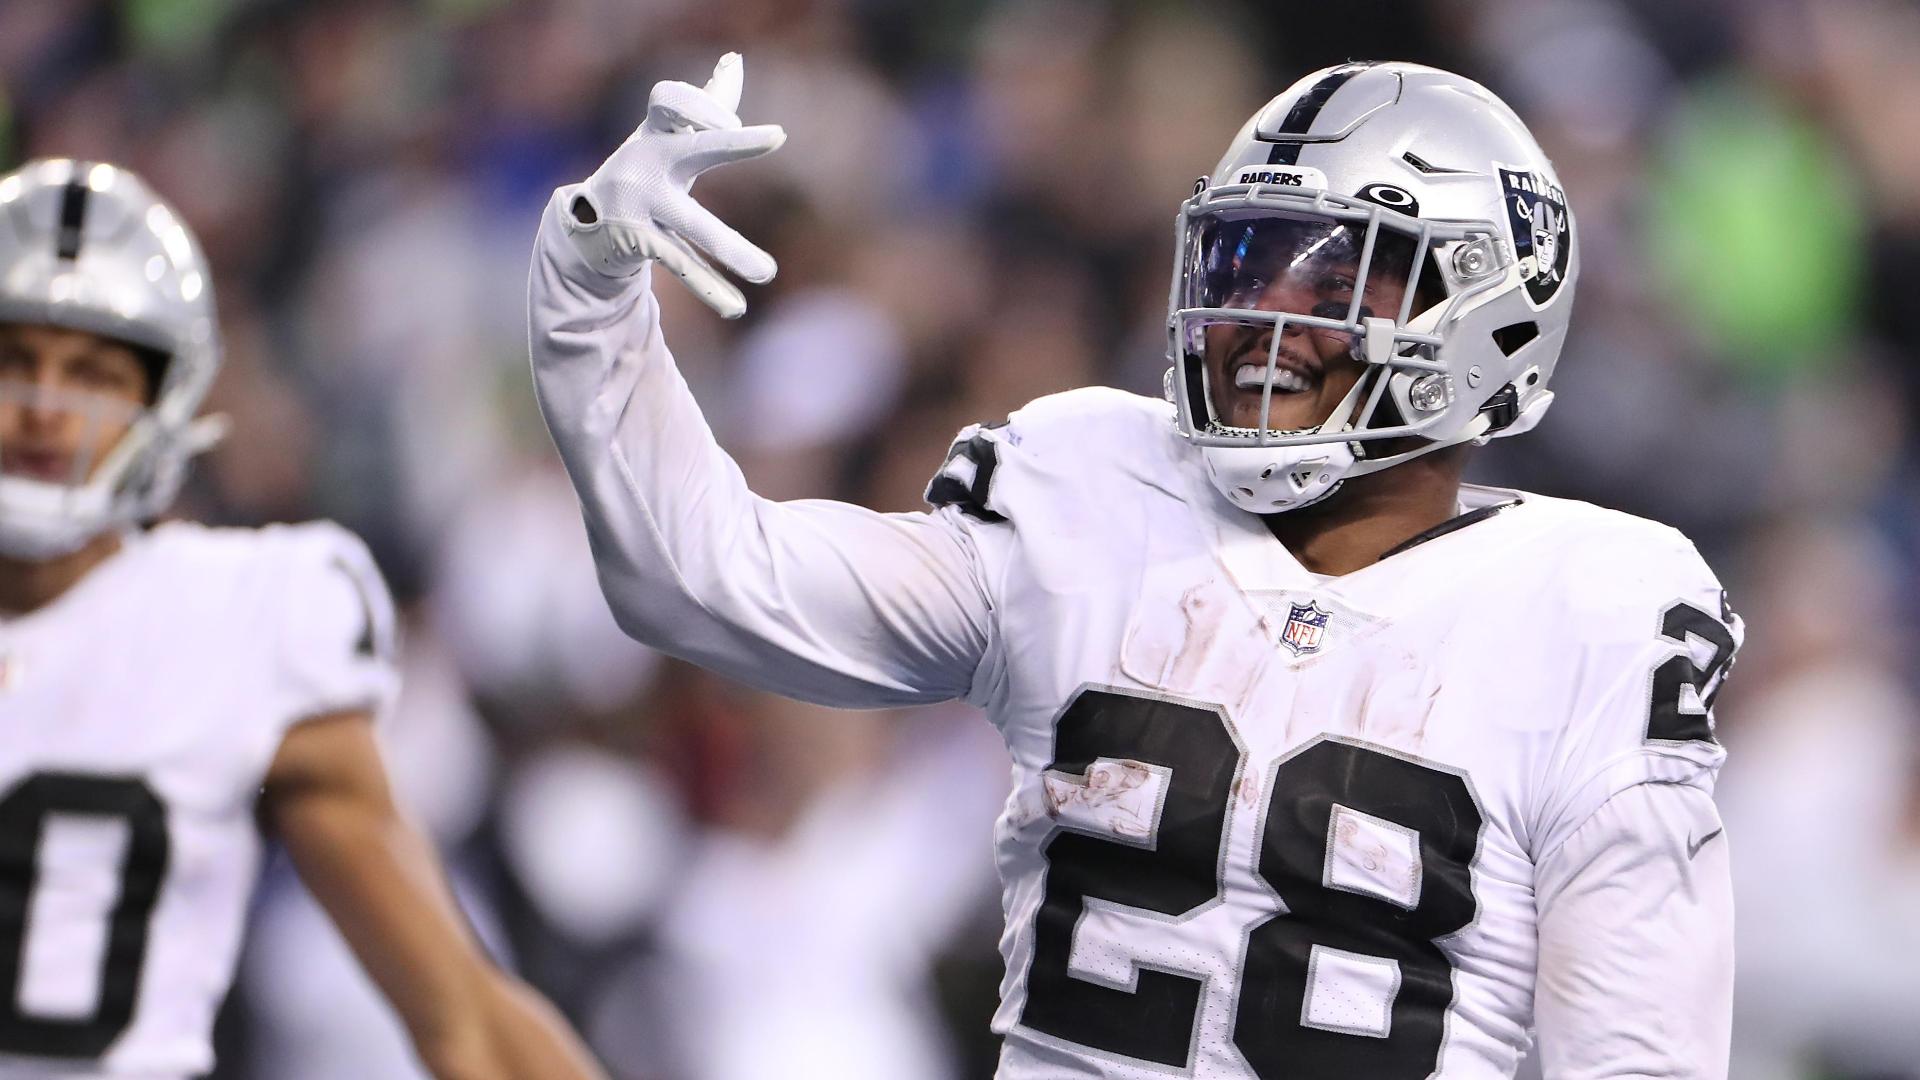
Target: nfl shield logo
x,y
1306,628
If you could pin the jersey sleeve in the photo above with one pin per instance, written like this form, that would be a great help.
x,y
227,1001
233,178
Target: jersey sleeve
x,y
1649,640
819,600
1636,941
337,648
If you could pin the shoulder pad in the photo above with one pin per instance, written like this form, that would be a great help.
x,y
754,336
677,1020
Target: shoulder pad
x,y
1085,427
1639,584
321,559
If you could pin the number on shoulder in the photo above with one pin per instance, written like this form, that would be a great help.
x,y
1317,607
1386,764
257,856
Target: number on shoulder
x,y
1684,685
965,479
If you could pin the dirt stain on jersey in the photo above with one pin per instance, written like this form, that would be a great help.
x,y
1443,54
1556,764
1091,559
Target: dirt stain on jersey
x,y
1114,797
1389,700
1396,700
1247,790
1202,614
1212,646
1356,848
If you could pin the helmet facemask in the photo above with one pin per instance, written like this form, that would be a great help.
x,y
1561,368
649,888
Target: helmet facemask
x,y
72,460
1280,298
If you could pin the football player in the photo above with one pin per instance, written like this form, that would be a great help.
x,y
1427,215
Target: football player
x,y
1326,764
161,685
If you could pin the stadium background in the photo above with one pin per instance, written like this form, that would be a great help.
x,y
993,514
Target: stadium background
x,y
973,210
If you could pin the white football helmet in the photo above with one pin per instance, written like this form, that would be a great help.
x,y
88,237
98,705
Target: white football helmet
x,y
90,247
1390,168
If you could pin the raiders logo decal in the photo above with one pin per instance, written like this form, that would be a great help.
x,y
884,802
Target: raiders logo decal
x,y
1542,231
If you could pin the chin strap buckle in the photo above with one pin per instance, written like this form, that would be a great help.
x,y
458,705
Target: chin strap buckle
x,y
1502,409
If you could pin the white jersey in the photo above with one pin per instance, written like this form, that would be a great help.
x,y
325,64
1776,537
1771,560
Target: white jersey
x,y
142,709
1266,823
1263,824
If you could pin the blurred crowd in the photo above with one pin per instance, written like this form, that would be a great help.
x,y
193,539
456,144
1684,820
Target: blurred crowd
x,y
974,208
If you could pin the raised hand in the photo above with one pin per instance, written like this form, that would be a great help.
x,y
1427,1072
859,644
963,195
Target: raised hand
x,y
637,205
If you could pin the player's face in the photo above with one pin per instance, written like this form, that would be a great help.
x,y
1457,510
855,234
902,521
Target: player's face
x,y
66,397
1303,268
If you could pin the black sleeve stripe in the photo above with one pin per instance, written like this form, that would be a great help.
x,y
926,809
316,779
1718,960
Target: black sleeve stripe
x,y
1681,706
367,646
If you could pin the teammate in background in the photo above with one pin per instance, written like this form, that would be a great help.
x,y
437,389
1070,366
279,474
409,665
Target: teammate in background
x,y
158,686
1326,765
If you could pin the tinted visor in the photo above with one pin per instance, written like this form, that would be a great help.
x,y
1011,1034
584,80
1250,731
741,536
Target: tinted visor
x,y
1300,266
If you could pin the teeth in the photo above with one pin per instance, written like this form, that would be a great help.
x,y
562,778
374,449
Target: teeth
x,y
1285,380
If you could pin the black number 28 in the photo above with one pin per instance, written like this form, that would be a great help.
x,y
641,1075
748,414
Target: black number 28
x,y
23,819
1180,871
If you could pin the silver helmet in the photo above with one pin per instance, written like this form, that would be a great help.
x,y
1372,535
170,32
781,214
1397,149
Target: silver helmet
x,y
89,247
1390,184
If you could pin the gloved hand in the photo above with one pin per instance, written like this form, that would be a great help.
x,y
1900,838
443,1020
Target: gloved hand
x,y
636,206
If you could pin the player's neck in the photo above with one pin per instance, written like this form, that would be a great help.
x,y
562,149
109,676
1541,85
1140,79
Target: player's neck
x,y
30,584
1373,514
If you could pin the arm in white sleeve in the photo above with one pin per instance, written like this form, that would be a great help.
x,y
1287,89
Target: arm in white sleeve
x,y
818,600
1636,941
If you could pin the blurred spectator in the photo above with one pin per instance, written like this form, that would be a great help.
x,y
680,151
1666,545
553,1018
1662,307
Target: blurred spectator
x,y
1823,813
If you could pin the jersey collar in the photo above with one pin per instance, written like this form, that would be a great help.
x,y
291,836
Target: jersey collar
x,y
1257,561
1459,521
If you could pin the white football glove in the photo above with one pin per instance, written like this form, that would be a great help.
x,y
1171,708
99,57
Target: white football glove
x,y
636,206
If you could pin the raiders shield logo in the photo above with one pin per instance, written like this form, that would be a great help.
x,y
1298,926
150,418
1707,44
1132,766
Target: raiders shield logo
x,y
1542,236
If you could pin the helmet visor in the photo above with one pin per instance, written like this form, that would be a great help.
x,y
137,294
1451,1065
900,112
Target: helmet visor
x,y
1299,266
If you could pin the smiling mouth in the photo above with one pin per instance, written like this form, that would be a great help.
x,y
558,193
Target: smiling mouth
x,y
1253,377
1292,373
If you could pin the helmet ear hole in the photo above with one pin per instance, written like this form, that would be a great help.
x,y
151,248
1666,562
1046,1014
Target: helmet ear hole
x,y
1512,338
154,363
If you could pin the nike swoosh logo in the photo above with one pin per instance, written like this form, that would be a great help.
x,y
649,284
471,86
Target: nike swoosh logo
x,y
1694,846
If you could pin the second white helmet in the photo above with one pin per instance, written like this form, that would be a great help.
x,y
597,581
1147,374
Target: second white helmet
x,y
88,246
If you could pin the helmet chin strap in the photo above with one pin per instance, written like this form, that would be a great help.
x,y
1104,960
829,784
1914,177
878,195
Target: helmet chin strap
x,y
42,520
1262,479
1270,480
1276,479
